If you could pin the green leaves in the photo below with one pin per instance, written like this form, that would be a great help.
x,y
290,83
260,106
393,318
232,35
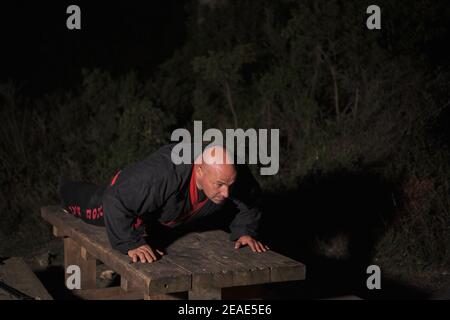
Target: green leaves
x,y
223,67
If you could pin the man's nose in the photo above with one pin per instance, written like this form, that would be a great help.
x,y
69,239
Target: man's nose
x,y
225,192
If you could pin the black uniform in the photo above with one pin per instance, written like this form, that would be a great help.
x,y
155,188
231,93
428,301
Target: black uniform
x,y
155,189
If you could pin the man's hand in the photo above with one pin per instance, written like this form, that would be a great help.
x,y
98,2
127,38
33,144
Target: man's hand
x,y
256,246
144,254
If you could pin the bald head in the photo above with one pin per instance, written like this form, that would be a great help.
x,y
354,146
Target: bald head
x,y
215,155
215,173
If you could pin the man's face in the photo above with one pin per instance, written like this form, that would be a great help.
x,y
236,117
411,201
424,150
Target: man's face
x,y
216,180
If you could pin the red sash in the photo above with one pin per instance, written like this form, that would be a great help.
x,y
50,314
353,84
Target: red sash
x,y
193,199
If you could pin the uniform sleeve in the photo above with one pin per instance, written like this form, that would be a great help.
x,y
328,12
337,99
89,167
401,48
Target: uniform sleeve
x,y
246,197
128,199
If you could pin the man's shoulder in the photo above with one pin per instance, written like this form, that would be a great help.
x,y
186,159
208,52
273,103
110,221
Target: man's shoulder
x,y
157,168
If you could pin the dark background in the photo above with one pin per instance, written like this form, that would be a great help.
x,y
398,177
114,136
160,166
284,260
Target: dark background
x,y
364,183
42,53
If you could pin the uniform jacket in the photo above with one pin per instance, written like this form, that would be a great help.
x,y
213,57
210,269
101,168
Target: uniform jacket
x,y
157,188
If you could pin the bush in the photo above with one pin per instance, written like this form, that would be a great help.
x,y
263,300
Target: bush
x,y
84,135
344,99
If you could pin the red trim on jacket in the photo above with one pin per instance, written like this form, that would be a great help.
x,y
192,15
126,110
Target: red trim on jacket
x,y
193,199
113,181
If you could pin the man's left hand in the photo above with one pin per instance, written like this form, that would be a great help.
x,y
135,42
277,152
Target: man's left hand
x,y
255,245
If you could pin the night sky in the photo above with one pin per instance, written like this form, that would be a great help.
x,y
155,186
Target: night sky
x,y
41,54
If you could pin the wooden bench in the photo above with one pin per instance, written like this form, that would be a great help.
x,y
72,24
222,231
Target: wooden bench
x,y
198,264
15,273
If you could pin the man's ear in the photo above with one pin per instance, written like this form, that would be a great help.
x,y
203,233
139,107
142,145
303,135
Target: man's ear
x,y
199,171
198,176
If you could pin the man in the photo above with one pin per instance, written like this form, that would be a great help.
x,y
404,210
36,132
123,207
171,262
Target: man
x,y
172,195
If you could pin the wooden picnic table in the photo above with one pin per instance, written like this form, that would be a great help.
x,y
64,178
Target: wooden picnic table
x,y
199,263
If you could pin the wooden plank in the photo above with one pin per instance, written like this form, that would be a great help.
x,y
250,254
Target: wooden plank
x,y
85,255
245,271
204,292
111,293
168,296
17,274
88,267
189,254
212,265
281,268
159,277
70,256
128,285
247,284
163,276
57,233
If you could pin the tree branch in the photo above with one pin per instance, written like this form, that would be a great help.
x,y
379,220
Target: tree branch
x,y
230,103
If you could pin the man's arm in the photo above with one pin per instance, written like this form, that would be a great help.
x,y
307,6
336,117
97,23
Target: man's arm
x,y
129,198
246,221
246,197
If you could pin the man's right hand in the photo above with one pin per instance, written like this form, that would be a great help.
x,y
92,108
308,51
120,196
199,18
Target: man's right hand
x,y
143,253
